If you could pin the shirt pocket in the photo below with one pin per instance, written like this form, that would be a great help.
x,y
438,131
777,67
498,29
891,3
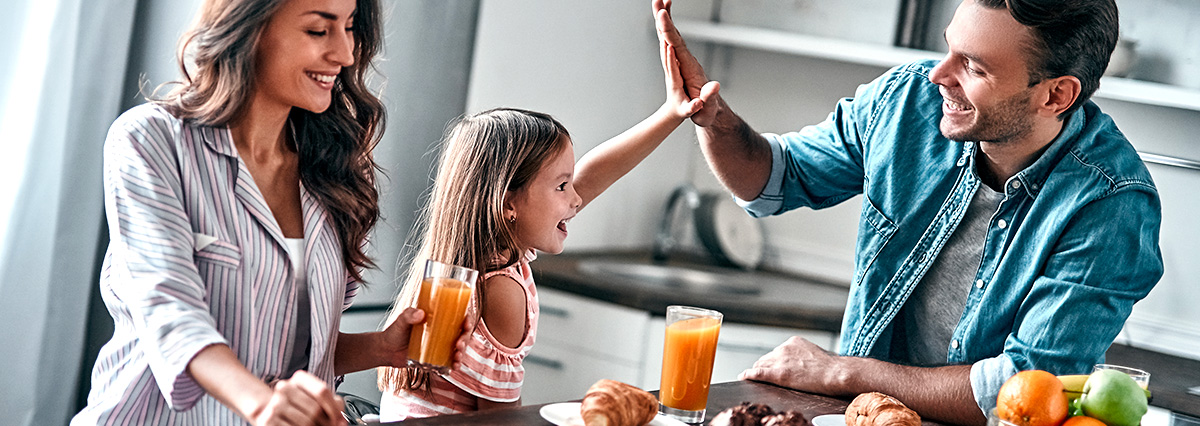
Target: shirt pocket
x,y
875,229
218,264
218,254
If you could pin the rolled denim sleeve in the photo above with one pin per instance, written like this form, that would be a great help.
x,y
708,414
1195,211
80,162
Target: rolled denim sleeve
x,y
987,375
770,200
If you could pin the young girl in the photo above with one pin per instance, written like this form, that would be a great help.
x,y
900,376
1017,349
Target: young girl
x,y
507,185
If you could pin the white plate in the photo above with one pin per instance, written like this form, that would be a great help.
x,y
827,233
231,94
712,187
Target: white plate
x,y
567,414
829,420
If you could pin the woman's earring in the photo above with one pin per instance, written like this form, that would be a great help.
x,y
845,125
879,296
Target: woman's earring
x,y
512,219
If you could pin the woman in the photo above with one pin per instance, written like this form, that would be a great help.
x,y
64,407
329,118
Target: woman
x,y
238,206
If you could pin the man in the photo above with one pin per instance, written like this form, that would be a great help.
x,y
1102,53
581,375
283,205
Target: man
x,y
1006,223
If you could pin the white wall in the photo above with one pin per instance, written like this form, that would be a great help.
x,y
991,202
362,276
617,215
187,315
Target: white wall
x,y
595,68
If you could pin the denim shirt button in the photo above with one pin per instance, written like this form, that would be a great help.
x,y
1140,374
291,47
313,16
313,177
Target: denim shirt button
x,y
954,343
978,283
1016,184
1002,224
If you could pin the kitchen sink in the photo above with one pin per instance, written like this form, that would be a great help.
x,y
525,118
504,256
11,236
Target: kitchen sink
x,y
673,277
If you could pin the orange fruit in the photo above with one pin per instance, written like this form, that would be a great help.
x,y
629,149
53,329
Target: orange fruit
x,y
1083,421
1032,398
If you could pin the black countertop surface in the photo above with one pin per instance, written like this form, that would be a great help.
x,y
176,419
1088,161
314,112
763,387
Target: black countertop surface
x,y
780,299
720,397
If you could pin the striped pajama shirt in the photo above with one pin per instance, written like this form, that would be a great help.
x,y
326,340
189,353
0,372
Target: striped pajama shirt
x,y
196,258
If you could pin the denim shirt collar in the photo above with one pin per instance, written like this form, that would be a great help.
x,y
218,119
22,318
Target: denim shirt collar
x,y
1033,177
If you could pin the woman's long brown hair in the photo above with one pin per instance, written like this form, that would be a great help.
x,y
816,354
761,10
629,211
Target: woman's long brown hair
x,y
334,146
485,156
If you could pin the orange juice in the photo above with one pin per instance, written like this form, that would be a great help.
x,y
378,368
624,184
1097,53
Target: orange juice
x,y
444,301
688,352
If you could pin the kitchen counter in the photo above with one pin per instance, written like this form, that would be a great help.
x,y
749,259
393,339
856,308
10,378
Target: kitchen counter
x,y
720,397
806,303
1170,377
781,300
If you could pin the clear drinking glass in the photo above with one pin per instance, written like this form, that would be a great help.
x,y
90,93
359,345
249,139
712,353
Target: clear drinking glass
x,y
1141,377
688,351
994,420
444,296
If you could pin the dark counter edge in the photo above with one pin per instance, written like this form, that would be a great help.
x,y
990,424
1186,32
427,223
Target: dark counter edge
x,y
720,397
1166,374
559,272
1170,377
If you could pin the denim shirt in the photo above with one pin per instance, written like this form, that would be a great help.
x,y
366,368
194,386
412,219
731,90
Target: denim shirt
x,y
1073,245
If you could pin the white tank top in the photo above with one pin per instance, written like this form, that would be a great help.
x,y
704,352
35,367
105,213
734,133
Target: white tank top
x,y
298,360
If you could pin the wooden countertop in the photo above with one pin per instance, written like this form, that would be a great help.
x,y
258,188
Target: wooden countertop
x,y
782,300
720,397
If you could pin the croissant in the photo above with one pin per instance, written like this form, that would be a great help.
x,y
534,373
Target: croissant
x,y
876,409
612,403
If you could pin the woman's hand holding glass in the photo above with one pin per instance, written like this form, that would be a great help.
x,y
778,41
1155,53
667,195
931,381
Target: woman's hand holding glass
x,y
394,339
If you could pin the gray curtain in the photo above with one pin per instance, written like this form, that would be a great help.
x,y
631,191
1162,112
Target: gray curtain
x,y
47,267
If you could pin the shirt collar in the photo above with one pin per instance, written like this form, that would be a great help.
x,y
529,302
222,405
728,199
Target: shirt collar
x,y
1033,177
219,139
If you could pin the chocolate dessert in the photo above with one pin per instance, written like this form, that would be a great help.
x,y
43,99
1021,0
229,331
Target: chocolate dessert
x,y
748,414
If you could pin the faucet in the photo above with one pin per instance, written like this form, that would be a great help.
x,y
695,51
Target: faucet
x,y
665,240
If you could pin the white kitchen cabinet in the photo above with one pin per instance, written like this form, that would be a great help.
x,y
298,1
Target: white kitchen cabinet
x,y
579,341
738,347
555,372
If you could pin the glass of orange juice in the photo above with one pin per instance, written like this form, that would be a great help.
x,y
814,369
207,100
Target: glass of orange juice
x,y
1139,376
444,295
688,351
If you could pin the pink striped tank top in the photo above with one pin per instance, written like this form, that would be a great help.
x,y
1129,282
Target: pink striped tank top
x,y
487,369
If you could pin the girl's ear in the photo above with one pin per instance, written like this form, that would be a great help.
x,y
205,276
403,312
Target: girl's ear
x,y
510,209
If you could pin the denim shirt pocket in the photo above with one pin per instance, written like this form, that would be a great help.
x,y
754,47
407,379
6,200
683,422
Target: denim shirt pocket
x,y
874,231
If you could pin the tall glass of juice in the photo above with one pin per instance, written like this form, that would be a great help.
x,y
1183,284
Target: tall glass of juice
x,y
688,351
444,295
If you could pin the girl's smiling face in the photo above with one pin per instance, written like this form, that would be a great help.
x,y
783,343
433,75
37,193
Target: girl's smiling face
x,y
543,206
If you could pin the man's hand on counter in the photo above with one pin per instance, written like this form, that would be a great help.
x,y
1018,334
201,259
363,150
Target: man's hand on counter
x,y
940,393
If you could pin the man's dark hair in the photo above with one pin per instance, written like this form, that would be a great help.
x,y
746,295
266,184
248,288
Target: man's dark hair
x,y
1070,37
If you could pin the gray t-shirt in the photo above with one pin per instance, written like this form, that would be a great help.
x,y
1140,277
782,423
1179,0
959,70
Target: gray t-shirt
x,y
936,305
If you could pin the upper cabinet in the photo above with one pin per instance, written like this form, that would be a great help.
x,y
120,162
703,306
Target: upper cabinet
x,y
1165,70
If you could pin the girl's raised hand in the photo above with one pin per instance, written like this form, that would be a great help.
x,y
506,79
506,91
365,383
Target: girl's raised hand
x,y
682,105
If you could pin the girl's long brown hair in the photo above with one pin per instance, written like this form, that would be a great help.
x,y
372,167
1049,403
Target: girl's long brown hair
x,y
334,146
484,156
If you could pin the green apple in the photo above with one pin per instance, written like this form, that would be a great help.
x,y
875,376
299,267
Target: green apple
x,y
1113,398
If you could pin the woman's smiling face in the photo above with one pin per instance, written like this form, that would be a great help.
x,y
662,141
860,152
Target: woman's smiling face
x,y
303,48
